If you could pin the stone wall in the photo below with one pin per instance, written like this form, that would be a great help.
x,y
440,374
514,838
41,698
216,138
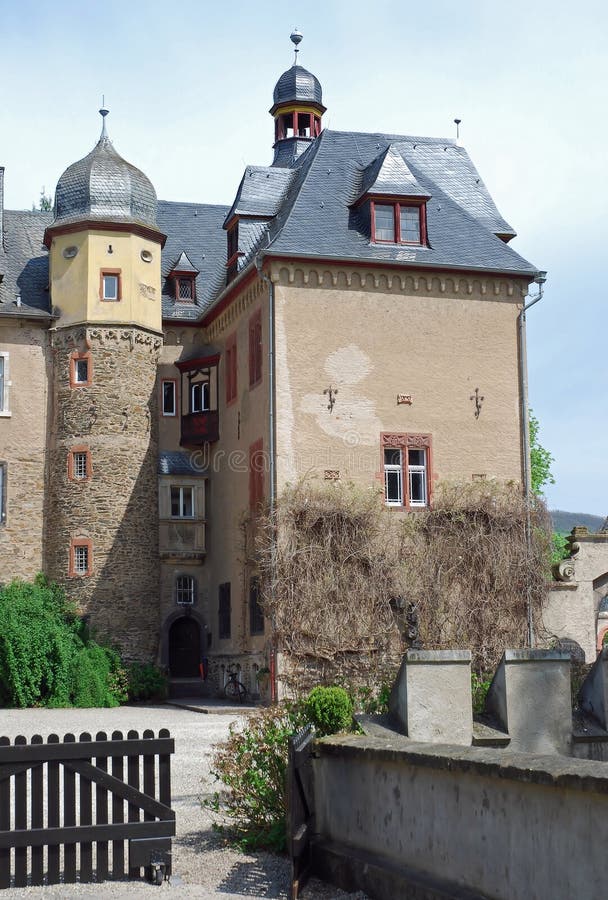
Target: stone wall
x,y
115,419
23,441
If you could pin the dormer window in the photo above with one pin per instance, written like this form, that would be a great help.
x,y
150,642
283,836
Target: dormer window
x,y
184,279
184,287
398,223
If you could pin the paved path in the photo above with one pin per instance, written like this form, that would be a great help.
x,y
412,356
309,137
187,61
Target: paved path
x,y
205,866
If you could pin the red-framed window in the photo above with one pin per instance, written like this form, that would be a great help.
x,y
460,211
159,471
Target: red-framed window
x,y
79,464
255,348
230,374
257,466
406,464
81,369
110,285
398,222
81,558
185,287
168,397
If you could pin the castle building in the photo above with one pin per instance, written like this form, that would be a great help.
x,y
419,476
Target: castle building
x,y
165,367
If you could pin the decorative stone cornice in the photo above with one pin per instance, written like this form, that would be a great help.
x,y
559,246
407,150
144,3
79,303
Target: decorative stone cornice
x,y
90,335
375,278
232,312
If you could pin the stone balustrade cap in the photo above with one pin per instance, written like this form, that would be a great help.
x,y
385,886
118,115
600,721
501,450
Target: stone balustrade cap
x,y
437,656
536,656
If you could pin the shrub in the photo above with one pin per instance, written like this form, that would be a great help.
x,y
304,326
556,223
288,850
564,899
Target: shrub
x,y
47,657
146,682
480,685
252,765
330,709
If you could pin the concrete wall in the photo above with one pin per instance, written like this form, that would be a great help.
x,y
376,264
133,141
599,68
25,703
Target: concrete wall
x,y
23,445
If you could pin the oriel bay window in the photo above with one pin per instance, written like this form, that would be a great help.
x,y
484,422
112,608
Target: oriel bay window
x,y
398,223
199,405
406,462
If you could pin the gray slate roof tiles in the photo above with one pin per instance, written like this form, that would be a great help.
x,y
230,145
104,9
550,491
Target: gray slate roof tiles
x,y
26,265
298,83
307,209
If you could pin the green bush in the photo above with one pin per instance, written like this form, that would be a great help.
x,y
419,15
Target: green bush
x,y
146,682
252,765
47,657
480,685
330,709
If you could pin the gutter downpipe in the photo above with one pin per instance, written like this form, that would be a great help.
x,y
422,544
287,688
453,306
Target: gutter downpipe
x,y
271,446
540,280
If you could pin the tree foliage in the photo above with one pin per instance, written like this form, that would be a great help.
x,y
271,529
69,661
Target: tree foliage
x,y
45,204
540,460
47,657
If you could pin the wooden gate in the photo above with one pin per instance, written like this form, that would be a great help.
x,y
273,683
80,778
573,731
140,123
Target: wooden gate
x,y
300,808
87,811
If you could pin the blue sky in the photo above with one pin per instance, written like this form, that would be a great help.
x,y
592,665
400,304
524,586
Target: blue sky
x,y
189,85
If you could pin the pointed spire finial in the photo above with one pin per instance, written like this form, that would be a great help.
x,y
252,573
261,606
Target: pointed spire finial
x,y
103,112
295,37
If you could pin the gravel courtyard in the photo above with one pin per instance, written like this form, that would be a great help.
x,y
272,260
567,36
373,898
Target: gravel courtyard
x,y
205,867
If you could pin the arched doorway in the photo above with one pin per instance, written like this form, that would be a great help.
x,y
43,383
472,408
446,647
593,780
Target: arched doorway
x,y
184,648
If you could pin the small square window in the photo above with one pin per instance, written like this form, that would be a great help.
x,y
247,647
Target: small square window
x,y
185,288
81,557
185,590
169,398
410,224
182,502
79,466
110,286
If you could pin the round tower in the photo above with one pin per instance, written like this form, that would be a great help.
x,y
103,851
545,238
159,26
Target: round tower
x,y
297,109
105,282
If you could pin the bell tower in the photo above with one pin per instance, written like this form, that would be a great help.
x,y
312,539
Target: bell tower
x,y
297,110
105,283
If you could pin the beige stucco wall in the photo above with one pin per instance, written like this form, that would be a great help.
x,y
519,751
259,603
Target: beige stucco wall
x,y
23,435
225,465
376,337
75,282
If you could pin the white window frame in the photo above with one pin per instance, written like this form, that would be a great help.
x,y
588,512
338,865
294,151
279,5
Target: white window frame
x,y
80,465
182,488
3,468
417,469
170,381
77,362
4,385
81,555
105,296
396,468
185,594
204,395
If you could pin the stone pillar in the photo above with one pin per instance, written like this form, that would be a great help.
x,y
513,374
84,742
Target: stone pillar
x,y
114,419
529,698
593,695
431,698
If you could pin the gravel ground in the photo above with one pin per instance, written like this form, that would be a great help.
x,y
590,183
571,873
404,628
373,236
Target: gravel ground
x,y
203,865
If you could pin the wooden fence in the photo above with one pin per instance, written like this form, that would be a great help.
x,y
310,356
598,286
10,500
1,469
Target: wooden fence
x,y
69,797
300,808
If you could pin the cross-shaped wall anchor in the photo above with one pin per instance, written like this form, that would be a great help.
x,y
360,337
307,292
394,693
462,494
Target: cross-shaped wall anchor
x,y
331,392
478,401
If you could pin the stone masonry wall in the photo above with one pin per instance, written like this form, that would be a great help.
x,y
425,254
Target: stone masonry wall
x,y
115,418
23,428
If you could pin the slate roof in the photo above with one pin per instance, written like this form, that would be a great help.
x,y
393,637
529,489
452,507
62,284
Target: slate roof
x,y
298,83
261,191
194,229
26,266
177,463
105,186
388,174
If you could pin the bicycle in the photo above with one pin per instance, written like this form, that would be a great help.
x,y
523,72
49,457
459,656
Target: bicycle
x,y
234,689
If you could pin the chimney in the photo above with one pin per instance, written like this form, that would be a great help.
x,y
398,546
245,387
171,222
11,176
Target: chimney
x,y
1,207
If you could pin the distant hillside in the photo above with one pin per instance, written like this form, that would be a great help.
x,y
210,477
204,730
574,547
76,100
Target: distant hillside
x,y
565,521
